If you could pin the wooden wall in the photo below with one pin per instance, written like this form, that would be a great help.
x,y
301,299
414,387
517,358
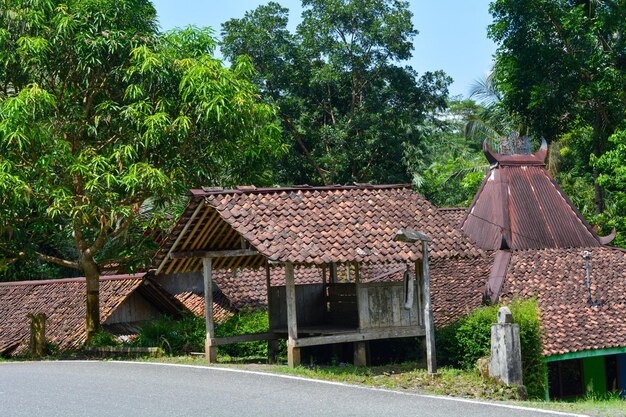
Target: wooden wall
x,y
134,308
382,304
309,305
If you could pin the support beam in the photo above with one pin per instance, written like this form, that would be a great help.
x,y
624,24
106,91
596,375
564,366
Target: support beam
x,y
272,344
293,352
213,254
431,358
210,350
360,353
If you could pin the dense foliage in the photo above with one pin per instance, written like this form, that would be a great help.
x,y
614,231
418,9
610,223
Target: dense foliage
x,y
561,66
186,335
104,120
174,336
468,340
349,111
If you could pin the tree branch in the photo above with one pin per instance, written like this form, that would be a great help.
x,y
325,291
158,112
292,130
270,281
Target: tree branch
x,y
58,261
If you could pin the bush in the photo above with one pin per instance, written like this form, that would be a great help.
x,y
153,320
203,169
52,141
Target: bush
x,y
464,342
173,336
243,322
188,334
103,339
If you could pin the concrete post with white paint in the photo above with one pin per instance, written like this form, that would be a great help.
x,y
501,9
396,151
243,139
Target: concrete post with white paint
x,y
506,354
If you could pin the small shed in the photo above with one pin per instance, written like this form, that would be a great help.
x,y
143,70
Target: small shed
x,y
126,301
340,233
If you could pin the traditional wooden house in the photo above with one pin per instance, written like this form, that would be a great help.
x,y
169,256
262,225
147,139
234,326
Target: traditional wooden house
x,y
321,250
544,248
126,301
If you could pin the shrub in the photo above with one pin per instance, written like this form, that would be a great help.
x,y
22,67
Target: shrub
x,y
242,322
103,339
173,336
469,339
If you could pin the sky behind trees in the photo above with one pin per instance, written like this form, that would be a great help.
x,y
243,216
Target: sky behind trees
x,y
453,33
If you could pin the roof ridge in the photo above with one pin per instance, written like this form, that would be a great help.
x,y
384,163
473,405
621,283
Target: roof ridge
x,y
249,189
74,279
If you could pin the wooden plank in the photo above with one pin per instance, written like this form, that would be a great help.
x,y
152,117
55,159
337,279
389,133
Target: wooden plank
x,y
180,236
210,350
431,358
213,254
374,334
241,338
363,307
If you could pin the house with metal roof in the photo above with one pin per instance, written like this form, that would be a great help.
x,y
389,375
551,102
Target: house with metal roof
x,y
126,301
325,254
543,247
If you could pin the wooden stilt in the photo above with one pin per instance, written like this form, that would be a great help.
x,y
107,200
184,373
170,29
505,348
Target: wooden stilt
x,y
293,352
360,353
210,350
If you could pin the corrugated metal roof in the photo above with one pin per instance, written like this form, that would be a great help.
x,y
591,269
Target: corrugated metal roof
x,y
519,206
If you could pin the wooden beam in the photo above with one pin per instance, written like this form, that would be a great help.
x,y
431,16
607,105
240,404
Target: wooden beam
x,y
210,350
360,336
213,254
180,236
272,344
431,358
241,338
293,352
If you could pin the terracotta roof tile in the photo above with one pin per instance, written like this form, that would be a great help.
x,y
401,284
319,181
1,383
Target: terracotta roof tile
x,y
63,302
557,277
319,225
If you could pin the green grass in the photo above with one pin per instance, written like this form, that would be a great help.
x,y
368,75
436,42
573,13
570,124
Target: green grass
x,y
405,377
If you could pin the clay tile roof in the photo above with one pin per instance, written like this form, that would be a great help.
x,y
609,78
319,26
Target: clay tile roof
x,y
454,215
457,286
63,302
310,225
222,309
557,277
519,206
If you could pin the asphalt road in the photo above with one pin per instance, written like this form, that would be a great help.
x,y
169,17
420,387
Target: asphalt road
x,y
101,389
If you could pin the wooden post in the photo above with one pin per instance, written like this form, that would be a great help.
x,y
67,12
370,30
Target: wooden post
x,y
293,352
431,358
210,351
272,344
360,353
37,335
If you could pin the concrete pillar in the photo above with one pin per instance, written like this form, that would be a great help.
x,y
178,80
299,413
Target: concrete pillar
x,y
506,354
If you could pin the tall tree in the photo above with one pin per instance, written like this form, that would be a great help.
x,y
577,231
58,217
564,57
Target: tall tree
x,y
562,63
349,111
102,118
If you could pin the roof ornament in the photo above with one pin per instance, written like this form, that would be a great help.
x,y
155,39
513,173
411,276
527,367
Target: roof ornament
x,y
511,147
605,240
590,301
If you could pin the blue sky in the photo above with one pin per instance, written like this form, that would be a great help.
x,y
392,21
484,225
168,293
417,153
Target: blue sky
x,y
453,33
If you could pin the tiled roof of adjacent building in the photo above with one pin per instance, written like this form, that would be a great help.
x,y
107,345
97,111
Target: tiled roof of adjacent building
x,y
557,277
63,302
309,225
454,215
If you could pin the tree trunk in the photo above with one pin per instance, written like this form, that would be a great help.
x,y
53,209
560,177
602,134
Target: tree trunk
x,y
92,275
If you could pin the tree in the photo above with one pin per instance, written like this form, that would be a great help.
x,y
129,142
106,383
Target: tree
x,y
348,110
449,166
562,63
103,119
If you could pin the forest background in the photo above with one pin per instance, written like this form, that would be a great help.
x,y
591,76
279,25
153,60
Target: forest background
x,y
106,121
